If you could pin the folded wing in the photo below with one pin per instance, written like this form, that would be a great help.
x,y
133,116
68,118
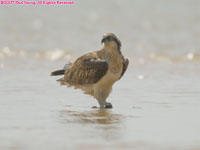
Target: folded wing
x,y
125,66
85,70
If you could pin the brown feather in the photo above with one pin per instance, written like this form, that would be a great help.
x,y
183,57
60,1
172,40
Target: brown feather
x,y
88,69
58,72
125,66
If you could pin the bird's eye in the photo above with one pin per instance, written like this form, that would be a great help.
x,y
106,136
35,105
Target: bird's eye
x,y
109,38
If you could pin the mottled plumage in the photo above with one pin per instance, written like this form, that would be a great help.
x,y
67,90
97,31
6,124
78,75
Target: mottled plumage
x,y
125,65
87,69
96,72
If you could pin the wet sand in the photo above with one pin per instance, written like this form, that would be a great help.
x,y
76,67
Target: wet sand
x,y
156,106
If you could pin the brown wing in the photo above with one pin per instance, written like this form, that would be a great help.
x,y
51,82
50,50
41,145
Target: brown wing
x,y
125,66
87,69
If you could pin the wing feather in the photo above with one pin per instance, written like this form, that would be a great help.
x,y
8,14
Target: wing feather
x,y
88,69
125,66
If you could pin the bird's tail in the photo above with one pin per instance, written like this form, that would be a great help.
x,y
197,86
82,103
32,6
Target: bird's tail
x,y
58,72
62,71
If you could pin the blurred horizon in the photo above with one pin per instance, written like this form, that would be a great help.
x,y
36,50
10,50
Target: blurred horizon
x,y
145,28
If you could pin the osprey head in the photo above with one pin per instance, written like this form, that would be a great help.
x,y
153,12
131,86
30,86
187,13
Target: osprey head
x,y
111,40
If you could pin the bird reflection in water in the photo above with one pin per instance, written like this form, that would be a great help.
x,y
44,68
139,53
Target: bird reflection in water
x,y
96,123
98,116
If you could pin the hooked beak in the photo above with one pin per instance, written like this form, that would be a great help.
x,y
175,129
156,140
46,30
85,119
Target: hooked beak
x,y
105,39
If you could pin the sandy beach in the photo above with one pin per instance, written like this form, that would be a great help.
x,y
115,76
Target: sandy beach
x,y
152,110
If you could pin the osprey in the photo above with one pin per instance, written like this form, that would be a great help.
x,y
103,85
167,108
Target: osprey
x,y
96,72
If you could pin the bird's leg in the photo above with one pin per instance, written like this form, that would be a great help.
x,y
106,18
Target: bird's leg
x,y
108,105
101,103
98,96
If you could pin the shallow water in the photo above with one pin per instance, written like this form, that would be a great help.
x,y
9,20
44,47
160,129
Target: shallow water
x,y
156,106
156,103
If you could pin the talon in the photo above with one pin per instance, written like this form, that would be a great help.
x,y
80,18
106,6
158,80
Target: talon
x,y
108,105
94,107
